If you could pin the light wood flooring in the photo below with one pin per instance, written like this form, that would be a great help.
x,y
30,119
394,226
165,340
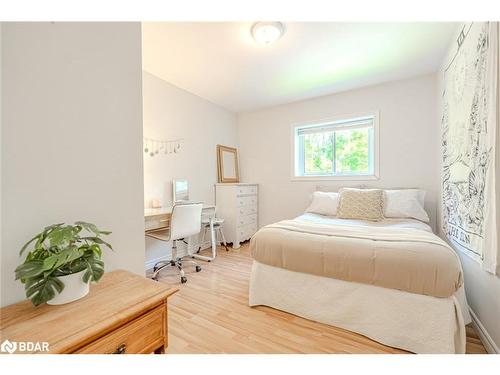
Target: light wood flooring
x,y
210,314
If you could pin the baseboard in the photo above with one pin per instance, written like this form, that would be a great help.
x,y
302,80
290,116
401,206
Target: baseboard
x,y
485,337
181,252
150,263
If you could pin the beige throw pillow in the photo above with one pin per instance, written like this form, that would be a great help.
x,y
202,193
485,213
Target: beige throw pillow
x,y
362,204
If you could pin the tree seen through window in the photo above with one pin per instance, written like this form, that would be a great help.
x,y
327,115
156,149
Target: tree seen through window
x,y
351,154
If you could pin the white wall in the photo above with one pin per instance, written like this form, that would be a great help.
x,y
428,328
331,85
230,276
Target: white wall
x,y
1,147
171,113
71,137
482,288
408,143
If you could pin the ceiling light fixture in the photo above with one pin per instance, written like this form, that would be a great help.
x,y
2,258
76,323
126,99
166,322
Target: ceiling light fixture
x,y
267,32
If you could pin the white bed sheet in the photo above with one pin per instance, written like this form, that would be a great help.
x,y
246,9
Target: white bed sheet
x,y
387,222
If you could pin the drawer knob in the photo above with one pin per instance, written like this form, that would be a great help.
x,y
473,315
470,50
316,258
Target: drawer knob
x,y
120,350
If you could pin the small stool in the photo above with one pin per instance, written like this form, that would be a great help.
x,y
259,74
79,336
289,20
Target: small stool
x,y
214,225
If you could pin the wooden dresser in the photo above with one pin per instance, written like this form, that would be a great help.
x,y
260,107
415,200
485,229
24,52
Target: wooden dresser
x,y
238,205
123,314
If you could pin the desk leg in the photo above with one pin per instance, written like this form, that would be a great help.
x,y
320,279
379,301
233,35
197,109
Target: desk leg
x,y
213,243
213,238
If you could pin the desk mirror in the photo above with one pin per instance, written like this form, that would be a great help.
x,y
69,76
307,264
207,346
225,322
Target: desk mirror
x,y
180,191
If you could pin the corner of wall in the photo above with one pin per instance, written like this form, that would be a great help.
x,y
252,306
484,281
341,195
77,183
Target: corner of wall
x,y
481,287
490,345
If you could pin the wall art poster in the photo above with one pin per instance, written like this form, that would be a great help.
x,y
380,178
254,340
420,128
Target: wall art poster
x,y
468,142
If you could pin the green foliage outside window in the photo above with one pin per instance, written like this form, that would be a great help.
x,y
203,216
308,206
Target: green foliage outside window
x,y
351,152
318,153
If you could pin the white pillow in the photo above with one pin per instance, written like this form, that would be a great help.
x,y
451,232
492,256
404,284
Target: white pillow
x,y
405,203
324,203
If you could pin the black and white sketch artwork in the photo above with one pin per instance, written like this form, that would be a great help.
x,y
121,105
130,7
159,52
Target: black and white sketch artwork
x,y
468,139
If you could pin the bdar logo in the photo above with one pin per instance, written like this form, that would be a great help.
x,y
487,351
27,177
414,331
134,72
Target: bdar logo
x,y
9,347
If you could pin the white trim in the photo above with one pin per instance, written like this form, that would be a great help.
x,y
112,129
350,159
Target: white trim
x,y
182,252
335,178
485,337
376,144
151,263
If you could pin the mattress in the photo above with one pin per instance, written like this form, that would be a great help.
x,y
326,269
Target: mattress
x,y
397,254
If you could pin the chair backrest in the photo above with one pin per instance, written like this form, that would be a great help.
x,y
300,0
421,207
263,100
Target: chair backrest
x,y
185,220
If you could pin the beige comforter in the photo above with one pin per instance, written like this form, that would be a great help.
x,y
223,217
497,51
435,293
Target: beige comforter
x,y
392,256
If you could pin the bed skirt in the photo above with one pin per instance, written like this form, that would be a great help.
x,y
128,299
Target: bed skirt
x,y
409,321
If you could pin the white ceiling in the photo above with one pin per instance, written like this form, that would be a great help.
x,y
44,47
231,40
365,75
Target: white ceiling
x,y
220,62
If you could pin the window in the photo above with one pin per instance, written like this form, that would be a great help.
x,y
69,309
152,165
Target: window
x,y
344,148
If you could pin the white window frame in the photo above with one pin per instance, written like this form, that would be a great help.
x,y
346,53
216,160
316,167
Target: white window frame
x,y
294,168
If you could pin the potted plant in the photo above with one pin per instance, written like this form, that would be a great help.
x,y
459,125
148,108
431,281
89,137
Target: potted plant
x,y
63,260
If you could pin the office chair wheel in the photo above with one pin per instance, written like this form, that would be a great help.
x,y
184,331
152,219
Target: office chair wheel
x,y
184,279
198,268
155,278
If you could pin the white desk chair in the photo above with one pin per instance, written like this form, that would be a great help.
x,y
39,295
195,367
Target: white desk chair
x,y
185,221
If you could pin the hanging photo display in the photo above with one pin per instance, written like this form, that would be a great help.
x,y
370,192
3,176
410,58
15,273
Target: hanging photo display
x,y
154,147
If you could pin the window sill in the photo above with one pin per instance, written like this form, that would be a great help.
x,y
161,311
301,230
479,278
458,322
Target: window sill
x,y
335,178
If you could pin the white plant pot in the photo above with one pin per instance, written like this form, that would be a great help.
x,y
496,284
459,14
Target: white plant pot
x,y
74,288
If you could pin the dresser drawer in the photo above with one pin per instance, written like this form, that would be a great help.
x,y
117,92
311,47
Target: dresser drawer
x,y
246,190
142,335
246,231
247,210
251,229
246,201
244,220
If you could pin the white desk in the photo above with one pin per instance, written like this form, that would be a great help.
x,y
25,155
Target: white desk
x,y
167,210
159,218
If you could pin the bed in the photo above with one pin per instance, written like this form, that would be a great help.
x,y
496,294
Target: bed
x,y
393,281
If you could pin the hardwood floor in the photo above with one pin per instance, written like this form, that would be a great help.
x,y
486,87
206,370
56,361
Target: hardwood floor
x,y
210,315
474,344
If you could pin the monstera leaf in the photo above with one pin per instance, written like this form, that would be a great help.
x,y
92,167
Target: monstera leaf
x,y
29,269
95,269
60,250
61,258
43,289
91,228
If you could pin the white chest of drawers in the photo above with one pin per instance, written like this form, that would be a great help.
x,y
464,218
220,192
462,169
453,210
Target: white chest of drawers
x,y
238,205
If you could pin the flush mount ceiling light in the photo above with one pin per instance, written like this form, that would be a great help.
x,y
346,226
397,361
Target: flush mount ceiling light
x,y
267,32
